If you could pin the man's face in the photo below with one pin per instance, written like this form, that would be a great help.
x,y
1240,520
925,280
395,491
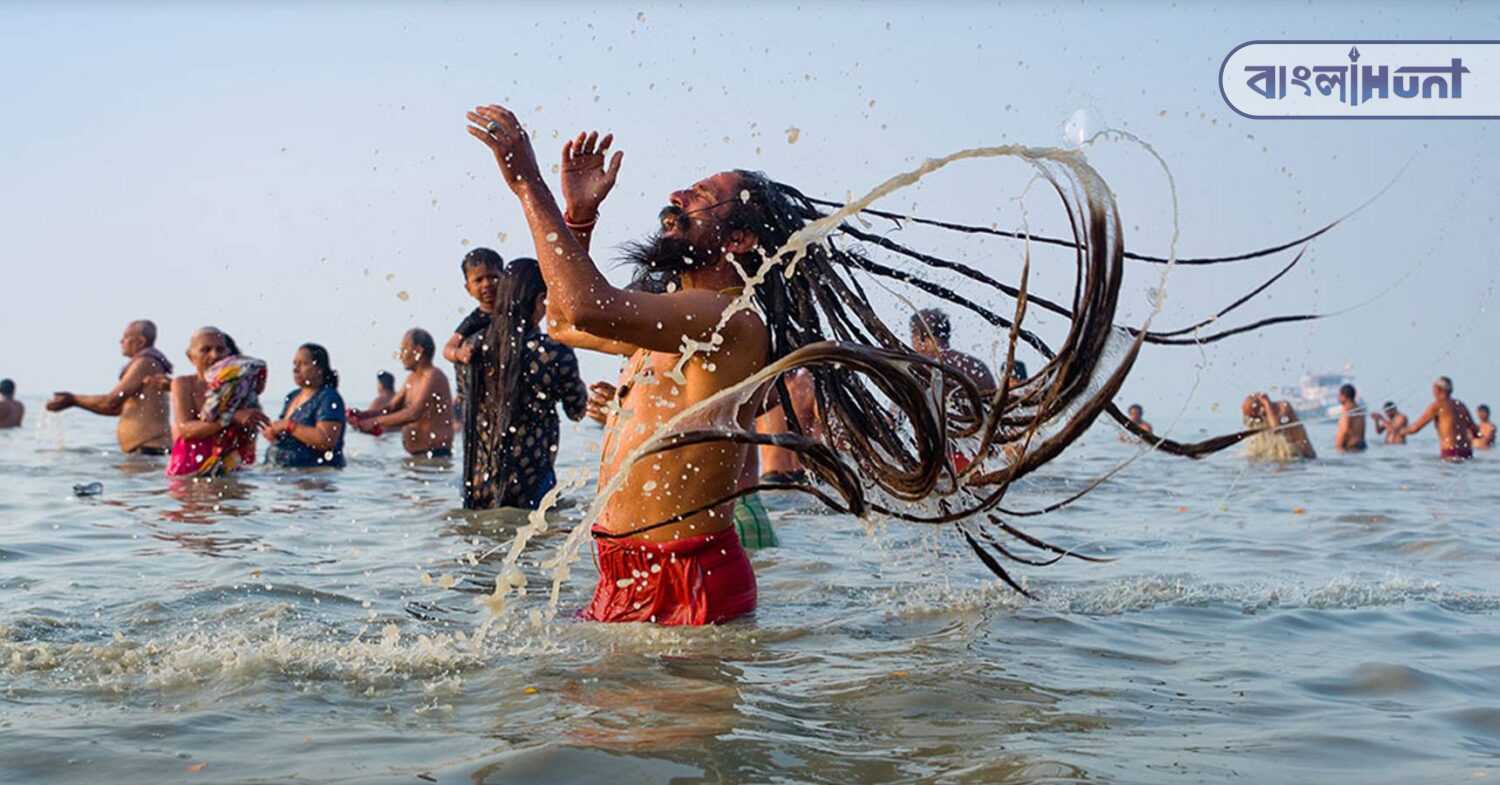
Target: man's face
x,y
483,281
1135,413
1438,392
409,353
692,234
131,342
1484,415
1391,412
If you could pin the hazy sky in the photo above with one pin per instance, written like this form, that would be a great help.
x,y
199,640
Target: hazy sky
x,y
288,173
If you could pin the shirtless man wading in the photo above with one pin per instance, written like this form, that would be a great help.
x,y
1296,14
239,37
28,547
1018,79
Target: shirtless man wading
x,y
1454,425
424,407
141,397
693,571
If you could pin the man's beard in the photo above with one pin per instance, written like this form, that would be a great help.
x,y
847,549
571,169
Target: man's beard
x,y
660,260
670,255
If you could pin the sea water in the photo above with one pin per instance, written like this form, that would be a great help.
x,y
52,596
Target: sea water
x,y
1336,621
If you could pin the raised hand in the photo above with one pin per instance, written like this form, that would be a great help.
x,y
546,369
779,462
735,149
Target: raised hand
x,y
585,180
500,131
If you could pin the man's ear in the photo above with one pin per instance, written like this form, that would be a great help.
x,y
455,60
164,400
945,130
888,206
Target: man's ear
x,y
740,242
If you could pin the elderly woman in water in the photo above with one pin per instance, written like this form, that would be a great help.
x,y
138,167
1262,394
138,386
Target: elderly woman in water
x,y
310,431
216,409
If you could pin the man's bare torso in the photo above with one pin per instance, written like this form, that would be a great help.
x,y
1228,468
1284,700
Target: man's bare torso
x,y
11,413
665,484
145,418
1395,429
1351,431
434,429
1453,425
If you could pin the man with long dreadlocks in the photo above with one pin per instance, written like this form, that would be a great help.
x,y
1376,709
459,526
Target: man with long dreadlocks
x,y
748,279
693,571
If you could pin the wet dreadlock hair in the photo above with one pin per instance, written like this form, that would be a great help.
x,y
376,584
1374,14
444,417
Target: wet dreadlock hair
x,y
893,419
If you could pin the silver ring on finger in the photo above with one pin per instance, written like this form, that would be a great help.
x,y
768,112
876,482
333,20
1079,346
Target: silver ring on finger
x,y
493,127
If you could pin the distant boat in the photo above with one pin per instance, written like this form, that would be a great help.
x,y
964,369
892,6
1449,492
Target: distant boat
x,y
1317,397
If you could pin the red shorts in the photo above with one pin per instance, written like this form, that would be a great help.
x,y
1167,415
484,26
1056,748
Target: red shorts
x,y
705,579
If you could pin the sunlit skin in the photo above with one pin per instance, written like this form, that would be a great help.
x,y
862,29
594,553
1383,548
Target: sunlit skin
x,y
1281,416
483,284
309,379
423,409
1136,414
140,398
1392,423
189,391
585,311
1350,436
11,410
1455,426
1484,434
381,403
779,460
975,368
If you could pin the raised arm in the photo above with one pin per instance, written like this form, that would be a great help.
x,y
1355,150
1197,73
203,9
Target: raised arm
x,y
110,404
454,350
405,408
571,336
577,293
185,422
1422,421
585,181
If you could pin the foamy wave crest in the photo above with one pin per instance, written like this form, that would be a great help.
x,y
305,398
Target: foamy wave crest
x,y
1341,593
373,661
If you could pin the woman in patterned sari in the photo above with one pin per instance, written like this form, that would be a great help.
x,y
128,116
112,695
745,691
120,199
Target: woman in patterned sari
x,y
517,378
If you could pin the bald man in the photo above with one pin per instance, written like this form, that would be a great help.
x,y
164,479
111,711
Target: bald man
x,y
140,399
1455,428
423,410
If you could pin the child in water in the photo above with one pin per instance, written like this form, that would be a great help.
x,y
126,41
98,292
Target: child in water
x,y
481,268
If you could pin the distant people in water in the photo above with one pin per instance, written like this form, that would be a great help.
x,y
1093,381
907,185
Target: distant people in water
x,y
139,398
930,335
1454,425
1484,433
216,408
385,392
1281,436
1350,436
1137,417
11,410
1391,422
423,407
778,464
517,377
310,430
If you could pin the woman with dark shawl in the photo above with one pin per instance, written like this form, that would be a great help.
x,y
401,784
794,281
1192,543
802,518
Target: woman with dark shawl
x,y
516,379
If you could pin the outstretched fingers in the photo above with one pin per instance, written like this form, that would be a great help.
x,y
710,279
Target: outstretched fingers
x,y
614,166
